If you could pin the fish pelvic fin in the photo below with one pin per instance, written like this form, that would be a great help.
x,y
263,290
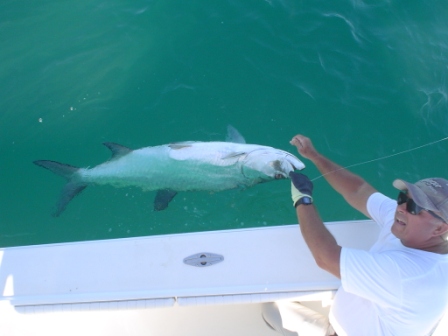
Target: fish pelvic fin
x,y
70,190
117,150
163,198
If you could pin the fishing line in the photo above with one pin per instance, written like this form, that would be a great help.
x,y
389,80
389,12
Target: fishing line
x,y
382,158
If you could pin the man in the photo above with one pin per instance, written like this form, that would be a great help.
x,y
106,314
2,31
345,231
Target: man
x,y
400,286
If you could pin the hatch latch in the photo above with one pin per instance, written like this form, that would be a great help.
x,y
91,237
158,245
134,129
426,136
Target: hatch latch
x,y
203,259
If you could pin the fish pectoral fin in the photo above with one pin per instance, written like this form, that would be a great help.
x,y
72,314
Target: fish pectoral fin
x,y
163,198
117,150
233,155
179,145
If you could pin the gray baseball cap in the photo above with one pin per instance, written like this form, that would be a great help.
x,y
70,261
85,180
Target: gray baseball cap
x,y
430,194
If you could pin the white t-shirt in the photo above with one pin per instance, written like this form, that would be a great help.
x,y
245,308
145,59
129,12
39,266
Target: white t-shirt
x,y
390,289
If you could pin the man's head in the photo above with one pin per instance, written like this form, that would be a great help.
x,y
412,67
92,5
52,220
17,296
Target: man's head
x,y
422,212
430,194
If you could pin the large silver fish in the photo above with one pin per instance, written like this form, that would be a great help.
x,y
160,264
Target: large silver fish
x,y
181,166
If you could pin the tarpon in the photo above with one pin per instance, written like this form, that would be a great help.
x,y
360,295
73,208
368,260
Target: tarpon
x,y
180,166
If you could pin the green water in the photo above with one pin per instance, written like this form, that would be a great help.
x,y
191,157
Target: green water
x,y
363,79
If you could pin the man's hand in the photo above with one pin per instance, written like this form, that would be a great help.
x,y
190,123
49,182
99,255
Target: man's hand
x,y
301,186
304,147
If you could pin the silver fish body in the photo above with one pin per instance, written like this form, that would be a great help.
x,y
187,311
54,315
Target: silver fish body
x,y
192,166
176,167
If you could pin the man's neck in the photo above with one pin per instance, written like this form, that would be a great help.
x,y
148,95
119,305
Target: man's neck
x,y
441,248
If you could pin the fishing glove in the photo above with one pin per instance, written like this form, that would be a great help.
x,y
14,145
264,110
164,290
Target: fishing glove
x,y
301,186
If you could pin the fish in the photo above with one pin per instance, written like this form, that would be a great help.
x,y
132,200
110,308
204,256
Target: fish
x,y
178,167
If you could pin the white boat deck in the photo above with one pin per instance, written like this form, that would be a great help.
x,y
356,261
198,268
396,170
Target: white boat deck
x,y
141,286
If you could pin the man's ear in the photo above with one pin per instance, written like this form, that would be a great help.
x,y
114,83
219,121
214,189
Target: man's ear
x,y
441,230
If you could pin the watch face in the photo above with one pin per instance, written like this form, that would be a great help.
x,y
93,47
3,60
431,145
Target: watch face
x,y
305,200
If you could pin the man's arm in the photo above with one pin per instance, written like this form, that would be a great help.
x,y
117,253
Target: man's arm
x,y
320,241
353,188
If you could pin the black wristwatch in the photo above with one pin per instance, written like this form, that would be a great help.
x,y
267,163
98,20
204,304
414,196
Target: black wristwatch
x,y
305,200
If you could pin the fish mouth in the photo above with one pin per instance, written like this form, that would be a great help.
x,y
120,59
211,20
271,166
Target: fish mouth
x,y
287,164
295,163
283,168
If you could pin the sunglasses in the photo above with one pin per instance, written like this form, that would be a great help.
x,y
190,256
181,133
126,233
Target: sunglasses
x,y
412,207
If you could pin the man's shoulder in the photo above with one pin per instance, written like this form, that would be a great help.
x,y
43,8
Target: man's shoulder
x,y
416,263
378,199
381,209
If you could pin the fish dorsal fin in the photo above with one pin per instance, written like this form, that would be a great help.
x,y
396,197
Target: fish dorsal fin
x,y
234,136
117,150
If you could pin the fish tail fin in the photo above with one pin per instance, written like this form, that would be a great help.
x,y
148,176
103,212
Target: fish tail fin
x,y
58,168
70,190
